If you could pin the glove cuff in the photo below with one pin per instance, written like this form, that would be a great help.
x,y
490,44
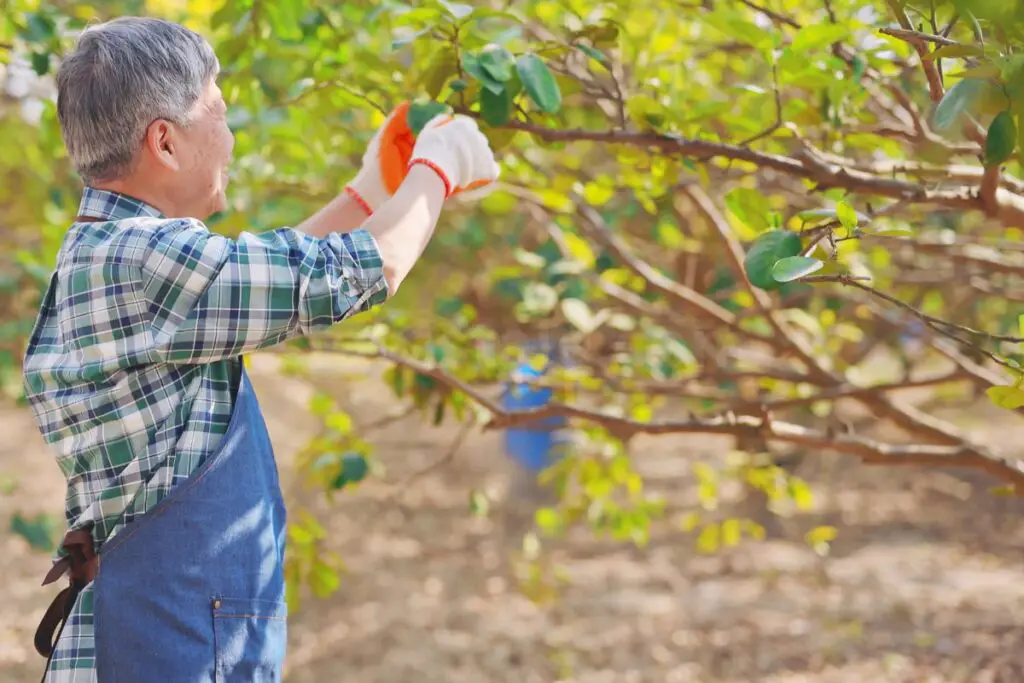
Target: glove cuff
x,y
436,169
358,199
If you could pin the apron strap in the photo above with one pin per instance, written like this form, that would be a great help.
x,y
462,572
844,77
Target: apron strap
x,y
81,563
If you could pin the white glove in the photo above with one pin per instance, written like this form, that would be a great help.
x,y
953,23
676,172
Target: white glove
x,y
456,150
385,163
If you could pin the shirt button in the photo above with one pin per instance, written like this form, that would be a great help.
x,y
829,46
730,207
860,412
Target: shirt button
x,y
216,604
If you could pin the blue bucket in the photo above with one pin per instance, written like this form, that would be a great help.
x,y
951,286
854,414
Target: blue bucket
x,y
536,445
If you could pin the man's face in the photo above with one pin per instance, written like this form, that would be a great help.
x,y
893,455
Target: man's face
x,y
206,146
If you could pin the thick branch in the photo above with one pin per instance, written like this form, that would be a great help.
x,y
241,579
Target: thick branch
x,y
1009,206
871,451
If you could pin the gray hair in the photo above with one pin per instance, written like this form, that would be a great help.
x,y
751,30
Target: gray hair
x,y
122,76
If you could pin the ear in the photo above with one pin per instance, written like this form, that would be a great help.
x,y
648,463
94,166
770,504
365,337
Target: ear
x,y
161,144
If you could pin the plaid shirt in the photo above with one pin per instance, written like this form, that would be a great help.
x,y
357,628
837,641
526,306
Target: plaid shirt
x,y
130,366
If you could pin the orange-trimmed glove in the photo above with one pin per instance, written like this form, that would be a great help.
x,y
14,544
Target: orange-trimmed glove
x,y
385,163
456,150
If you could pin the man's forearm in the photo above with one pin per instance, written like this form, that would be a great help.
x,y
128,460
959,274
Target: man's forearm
x,y
405,223
342,214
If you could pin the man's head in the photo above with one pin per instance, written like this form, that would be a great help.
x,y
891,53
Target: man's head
x,y
141,113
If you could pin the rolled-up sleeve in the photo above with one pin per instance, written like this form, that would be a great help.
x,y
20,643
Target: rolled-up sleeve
x,y
211,297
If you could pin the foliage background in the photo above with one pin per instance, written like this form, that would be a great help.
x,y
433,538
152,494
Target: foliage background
x,y
634,207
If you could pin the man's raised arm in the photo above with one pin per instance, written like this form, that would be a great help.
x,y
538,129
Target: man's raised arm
x,y
211,297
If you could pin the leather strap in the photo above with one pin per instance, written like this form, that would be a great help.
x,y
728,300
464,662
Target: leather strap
x,y
81,564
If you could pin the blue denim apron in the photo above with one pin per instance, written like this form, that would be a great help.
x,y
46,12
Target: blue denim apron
x,y
193,591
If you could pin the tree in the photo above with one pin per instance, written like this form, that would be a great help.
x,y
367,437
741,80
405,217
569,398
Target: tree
x,y
732,215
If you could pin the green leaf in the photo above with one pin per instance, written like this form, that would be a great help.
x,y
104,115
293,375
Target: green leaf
x,y
497,62
479,505
1020,325
439,411
858,67
593,53
950,51
846,215
472,66
795,267
539,83
458,85
765,252
956,101
420,113
39,28
323,579
1020,134
1001,139
39,531
818,36
983,72
41,63
814,214
539,298
353,470
495,108
457,10
443,67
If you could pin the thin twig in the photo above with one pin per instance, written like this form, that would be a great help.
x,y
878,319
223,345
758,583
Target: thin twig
x,y
935,87
778,110
917,37
774,16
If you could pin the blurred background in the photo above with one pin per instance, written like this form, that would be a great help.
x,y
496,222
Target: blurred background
x,y
753,486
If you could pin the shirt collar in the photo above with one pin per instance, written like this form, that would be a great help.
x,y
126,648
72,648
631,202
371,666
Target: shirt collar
x,y
113,206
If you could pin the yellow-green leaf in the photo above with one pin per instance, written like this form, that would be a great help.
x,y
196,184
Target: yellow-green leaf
x,y
818,36
846,215
1010,398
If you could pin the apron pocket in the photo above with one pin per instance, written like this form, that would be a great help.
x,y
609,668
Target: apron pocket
x,y
249,639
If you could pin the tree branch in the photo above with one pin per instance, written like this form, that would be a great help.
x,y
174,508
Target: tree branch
x,y
916,37
869,450
1009,206
931,72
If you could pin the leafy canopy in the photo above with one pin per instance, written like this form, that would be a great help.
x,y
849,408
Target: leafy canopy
x,y
725,212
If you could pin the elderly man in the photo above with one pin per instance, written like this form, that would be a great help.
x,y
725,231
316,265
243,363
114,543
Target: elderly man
x,y
134,371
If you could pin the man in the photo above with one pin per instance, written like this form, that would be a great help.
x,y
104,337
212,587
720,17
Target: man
x,y
134,372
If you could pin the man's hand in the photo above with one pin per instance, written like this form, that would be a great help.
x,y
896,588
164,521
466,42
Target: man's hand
x,y
455,149
385,163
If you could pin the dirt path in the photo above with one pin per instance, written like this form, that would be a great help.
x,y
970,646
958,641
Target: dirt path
x,y
924,585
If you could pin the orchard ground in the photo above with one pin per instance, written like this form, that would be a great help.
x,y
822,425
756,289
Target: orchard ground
x,y
924,584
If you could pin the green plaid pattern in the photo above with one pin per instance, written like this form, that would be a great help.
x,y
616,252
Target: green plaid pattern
x,y
130,365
